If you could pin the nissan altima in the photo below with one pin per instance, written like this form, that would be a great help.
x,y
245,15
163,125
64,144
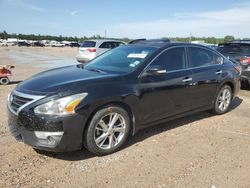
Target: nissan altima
x,y
100,105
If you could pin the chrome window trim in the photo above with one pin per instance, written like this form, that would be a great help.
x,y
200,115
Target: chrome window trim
x,y
33,98
187,55
172,47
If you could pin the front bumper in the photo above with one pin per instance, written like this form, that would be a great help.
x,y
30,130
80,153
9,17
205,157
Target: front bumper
x,y
49,134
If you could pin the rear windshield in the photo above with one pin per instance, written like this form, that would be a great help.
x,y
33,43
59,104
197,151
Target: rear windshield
x,y
234,48
88,44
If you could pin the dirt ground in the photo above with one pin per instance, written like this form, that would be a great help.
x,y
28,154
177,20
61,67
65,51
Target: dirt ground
x,y
201,150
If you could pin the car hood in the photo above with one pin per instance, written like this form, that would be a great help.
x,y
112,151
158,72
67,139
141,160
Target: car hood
x,y
61,80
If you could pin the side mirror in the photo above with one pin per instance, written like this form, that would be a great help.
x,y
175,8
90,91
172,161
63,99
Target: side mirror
x,y
155,70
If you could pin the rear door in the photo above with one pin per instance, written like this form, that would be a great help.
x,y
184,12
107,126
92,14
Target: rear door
x,y
108,45
105,46
207,72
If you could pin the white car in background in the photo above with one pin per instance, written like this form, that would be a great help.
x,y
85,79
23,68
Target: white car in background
x,y
90,49
57,44
3,44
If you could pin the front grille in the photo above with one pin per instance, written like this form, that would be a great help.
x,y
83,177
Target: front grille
x,y
17,100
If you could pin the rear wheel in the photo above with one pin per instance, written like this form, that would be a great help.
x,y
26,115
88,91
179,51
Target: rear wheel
x,y
223,100
4,81
108,130
245,84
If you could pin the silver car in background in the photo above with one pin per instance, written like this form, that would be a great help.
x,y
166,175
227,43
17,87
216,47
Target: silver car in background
x,y
90,49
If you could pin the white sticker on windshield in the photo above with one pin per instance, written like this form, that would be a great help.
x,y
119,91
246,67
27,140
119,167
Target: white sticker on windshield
x,y
133,64
141,56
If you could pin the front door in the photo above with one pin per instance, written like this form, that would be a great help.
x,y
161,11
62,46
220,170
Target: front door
x,y
168,93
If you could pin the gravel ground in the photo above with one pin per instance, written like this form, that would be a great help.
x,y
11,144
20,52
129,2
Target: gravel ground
x,y
201,150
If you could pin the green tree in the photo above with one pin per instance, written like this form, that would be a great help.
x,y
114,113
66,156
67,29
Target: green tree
x,y
228,38
5,35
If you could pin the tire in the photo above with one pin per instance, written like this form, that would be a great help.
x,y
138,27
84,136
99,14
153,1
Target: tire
x,y
223,100
4,81
104,136
245,84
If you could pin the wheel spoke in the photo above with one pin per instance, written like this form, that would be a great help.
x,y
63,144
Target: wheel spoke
x,y
221,105
111,142
101,144
103,125
100,129
119,129
224,94
115,139
114,119
228,96
101,138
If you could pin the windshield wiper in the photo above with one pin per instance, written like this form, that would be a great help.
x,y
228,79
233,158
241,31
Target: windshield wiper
x,y
233,52
96,70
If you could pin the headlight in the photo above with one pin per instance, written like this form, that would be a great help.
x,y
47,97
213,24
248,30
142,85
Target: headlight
x,y
62,106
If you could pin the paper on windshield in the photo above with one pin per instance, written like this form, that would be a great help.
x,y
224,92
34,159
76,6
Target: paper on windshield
x,y
141,56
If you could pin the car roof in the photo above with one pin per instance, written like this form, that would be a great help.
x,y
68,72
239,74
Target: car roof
x,y
164,45
241,41
103,40
234,44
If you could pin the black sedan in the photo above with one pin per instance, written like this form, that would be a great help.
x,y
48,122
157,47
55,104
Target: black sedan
x,y
239,52
98,106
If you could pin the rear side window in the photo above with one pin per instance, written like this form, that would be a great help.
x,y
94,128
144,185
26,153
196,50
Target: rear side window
x,y
103,45
87,44
116,44
172,59
200,57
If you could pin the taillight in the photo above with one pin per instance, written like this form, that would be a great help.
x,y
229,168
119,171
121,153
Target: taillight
x,y
245,60
91,49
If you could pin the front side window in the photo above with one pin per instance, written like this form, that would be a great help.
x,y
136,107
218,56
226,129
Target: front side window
x,y
172,59
200,57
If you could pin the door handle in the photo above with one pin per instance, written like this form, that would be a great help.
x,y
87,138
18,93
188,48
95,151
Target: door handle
x,y
218,72
187,79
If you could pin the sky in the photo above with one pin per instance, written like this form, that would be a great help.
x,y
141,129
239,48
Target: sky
x,y
127,18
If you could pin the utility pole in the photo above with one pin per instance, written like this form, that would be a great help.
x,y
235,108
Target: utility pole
x,y
190,39
105,34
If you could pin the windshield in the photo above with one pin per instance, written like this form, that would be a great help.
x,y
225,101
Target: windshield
x,y
124,59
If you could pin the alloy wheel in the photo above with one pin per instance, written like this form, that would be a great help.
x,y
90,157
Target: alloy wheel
x,y
110,130
224,99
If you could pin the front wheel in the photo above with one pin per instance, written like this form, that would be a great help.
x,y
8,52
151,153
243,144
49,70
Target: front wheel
x,y
107,131
223,100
